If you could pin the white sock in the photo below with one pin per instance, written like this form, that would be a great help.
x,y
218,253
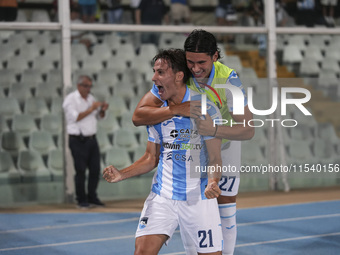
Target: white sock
x,y
229,229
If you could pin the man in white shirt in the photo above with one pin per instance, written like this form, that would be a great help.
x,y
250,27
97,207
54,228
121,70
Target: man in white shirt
x,y
82,112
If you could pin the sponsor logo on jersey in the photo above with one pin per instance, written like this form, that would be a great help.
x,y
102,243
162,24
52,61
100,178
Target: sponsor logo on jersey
x,y
179,157
185,133
143,222
183,146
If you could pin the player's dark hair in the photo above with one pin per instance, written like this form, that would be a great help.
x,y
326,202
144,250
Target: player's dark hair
x,y
175,59
201,41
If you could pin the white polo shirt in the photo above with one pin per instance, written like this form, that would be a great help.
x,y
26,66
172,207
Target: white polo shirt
x,y
75,104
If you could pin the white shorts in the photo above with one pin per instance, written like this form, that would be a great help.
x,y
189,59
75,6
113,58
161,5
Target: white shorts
x,y
329,2
199,222
231,161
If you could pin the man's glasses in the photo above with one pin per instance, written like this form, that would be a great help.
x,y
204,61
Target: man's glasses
x,y
87,86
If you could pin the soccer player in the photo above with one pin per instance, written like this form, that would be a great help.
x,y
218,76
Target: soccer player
x,y
202,55
177,197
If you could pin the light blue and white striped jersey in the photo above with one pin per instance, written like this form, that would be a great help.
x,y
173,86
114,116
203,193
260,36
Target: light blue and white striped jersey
x,y
182,149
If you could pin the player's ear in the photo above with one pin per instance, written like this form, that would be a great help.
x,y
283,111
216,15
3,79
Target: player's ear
x,y
215,56
179,76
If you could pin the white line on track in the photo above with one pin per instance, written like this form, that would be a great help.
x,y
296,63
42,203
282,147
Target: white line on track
x,y
273,241
289,219
70,225
136,218
67,243
288,239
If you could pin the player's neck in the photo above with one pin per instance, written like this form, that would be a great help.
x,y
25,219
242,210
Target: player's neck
x,y
178,98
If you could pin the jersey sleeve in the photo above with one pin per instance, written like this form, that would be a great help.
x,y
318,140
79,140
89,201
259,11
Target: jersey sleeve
x,y
154,91
153,134
234,80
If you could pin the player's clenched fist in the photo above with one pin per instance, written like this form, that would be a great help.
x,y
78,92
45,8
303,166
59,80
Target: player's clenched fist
x,y
212,190
112,174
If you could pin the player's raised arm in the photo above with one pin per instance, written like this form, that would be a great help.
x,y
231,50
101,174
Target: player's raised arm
x,y
143,165
150,112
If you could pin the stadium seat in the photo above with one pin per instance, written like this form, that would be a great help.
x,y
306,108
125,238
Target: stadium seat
x,y
18,64
20,91
93,63
313,52
118,64
52,123
103,141
55,164
330,64
107,77
22,17
125,53
102,51
333,51
24,125
300,153
42,40
54,76
32,167
252,154
112,40
109,124
31,76
309,67
143,137
125,90
79,52
43,90
100,91
298,41
53,52
43,63
8,172
9,107
234,62
138,152
7,52
320,41
42,142
40,16
324,151
292,54
36,107
117,157
328,82
147,50
142,64
16,40
29,52
12,142
117,105
326,131
3,124
56,105
125,139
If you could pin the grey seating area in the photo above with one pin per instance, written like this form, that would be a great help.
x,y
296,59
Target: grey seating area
x,y
315,57
32,93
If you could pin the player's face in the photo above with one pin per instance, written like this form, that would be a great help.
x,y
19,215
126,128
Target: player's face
x,y
200,64
164,79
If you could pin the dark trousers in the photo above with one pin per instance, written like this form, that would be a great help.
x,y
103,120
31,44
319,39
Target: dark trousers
x,y
8,13
85,152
